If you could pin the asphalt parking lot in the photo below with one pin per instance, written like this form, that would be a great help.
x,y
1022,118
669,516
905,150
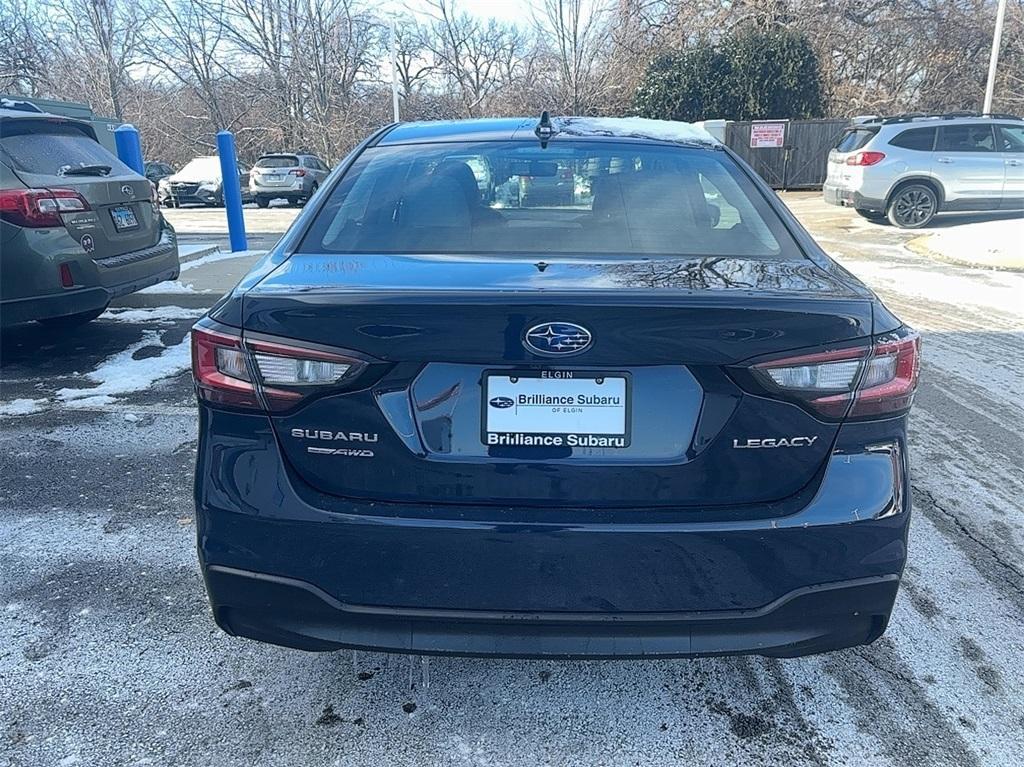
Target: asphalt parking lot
x,y
109,656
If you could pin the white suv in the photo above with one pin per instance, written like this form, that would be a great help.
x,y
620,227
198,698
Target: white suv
x,y
909,168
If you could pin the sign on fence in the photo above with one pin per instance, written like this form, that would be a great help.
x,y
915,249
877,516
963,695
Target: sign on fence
x,y
768,135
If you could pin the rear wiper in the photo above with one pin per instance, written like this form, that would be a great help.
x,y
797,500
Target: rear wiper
x,y
86,170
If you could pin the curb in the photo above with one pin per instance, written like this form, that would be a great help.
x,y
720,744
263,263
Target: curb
x,y
197,254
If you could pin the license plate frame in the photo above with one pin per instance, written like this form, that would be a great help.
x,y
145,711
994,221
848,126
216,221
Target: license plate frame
x,y
496,384
124,218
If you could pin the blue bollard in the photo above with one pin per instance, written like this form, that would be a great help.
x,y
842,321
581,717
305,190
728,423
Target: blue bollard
x,y
231,190
129,148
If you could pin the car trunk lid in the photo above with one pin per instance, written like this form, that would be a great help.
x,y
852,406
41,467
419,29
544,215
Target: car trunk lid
x,y
449,334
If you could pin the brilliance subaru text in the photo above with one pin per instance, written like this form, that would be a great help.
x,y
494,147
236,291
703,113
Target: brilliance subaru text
x,y
646,417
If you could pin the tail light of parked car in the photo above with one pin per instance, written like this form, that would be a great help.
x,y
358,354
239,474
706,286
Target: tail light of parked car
x,y
37,208
865,158
299,172
865,381
266,375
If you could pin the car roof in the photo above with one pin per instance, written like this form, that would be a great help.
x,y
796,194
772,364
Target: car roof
x,y
28,114
929,121
521,129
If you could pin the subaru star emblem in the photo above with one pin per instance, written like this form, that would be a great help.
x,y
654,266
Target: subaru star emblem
x,y
557,338
502,402
127,190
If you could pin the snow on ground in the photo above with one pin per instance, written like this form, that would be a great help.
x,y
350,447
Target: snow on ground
x,y
123,373
998,243
21,406
219,256
153,314
172,286
894,267
636,127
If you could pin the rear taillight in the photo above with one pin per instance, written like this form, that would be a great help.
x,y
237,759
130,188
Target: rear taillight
x,y
865,158
890,378
37,208
298,172
864,381
219,369
265,374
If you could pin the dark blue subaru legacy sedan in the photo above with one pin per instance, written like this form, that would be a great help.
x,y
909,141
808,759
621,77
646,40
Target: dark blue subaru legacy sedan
x,y
567,388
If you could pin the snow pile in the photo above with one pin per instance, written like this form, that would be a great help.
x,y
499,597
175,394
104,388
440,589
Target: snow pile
x,y
998,243
635,127
172,287
155,314
121,374
21,406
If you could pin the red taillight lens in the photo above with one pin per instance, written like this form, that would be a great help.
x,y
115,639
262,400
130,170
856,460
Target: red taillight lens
x,y
219,369
876,380
298,172
285,374
37,208
865,158
890,379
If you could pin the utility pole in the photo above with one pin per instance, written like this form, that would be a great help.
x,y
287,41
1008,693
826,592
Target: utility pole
x,y
993,61
394,72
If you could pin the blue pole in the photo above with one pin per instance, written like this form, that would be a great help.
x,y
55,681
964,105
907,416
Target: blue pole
x,y
129,148
232,190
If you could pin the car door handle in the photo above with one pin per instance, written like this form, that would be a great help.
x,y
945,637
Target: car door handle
x,y
1014,162
946,160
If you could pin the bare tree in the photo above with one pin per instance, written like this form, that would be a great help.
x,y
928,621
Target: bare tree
x,y
475,59
22,57
577,37
94,47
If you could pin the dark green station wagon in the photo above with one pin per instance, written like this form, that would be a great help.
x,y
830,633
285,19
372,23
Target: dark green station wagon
x,y
78,227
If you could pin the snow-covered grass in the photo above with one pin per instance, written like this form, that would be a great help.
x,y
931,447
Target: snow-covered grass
x,y
21,406
121,374
634,127
998,243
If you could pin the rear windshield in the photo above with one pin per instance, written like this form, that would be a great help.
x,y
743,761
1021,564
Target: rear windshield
x,y
855,139
201,168
52,148
281,161
574,198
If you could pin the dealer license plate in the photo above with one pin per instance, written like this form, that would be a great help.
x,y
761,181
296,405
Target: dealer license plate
x,y
124,218
556,408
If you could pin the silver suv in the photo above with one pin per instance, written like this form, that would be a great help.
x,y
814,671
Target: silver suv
x,y
294,177
909,168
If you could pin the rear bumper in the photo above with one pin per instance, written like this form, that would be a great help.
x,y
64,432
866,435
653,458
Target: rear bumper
x,y
837,195
99,281
293,613
287,565
272,191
